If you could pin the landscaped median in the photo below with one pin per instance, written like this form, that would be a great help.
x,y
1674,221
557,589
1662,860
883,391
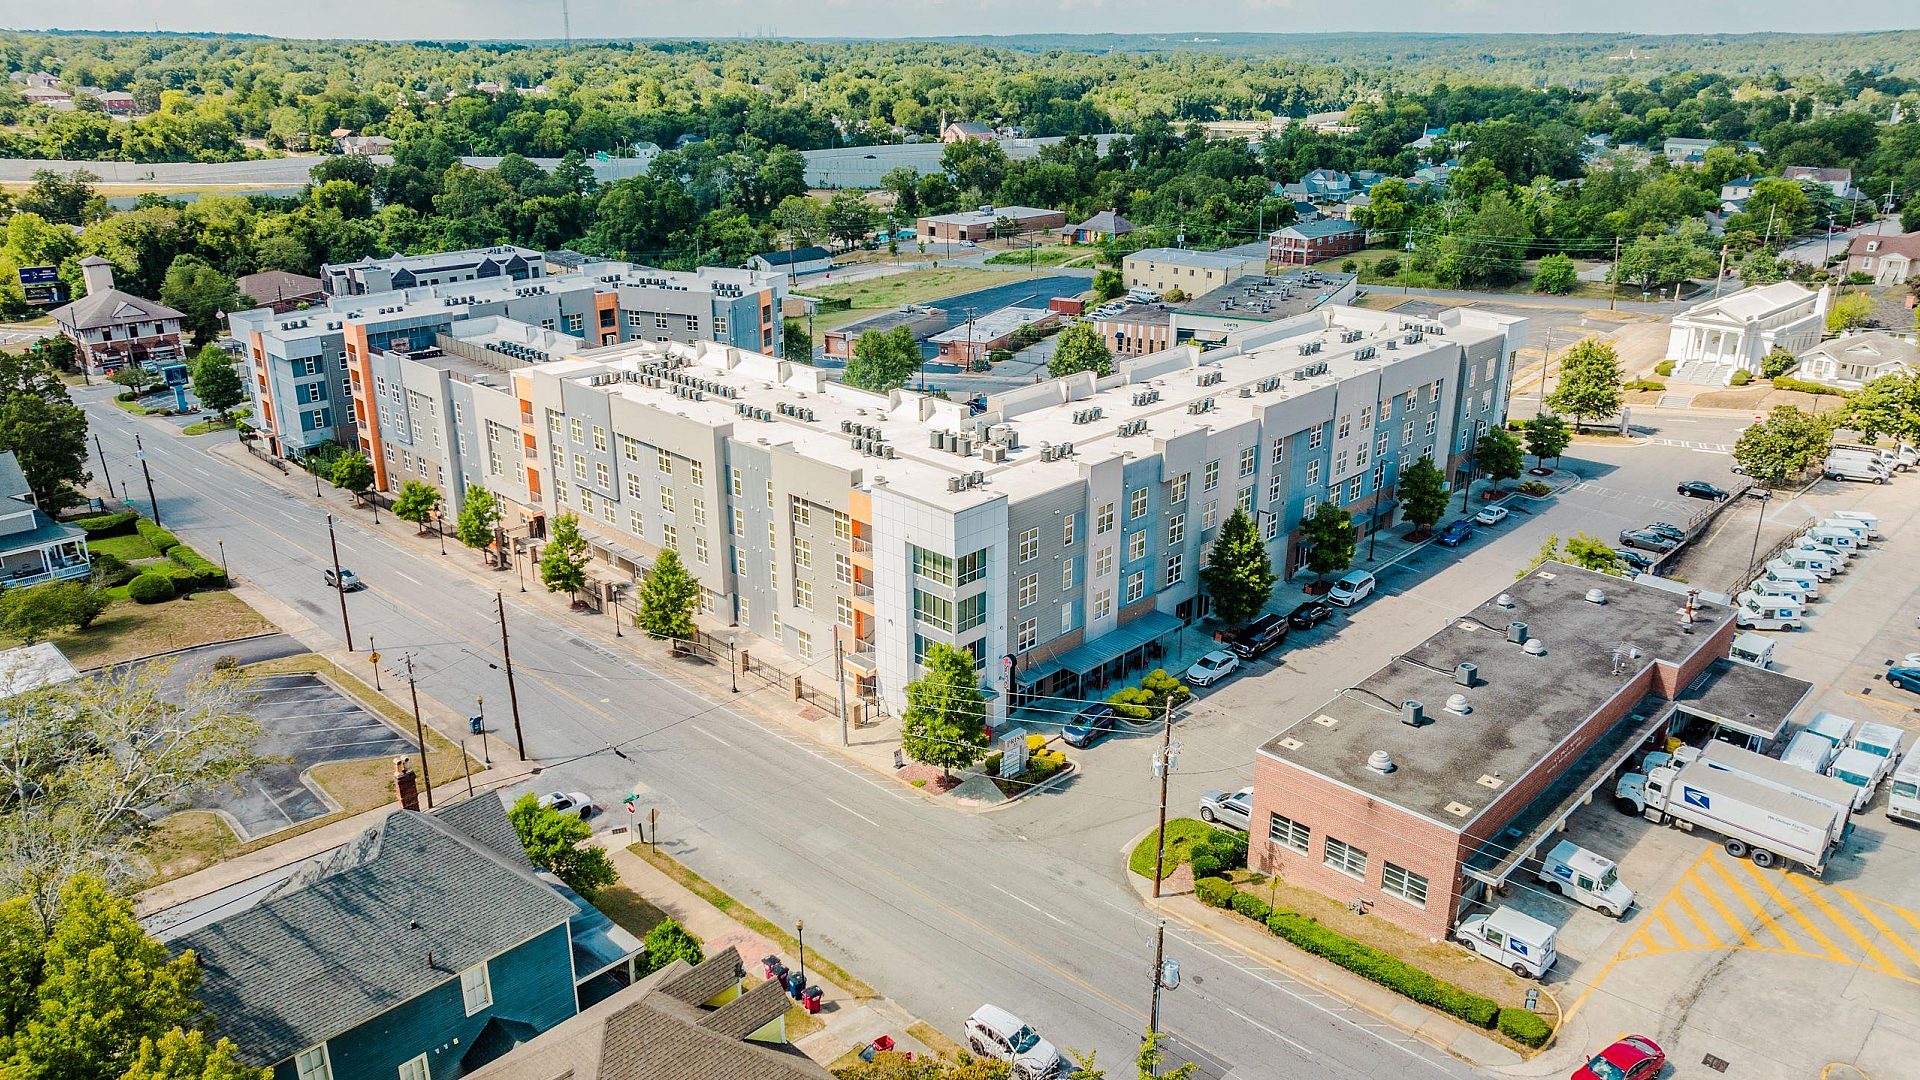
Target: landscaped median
x,y
1467,989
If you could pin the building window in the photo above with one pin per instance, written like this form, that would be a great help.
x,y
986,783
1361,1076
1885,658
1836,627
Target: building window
x,y
1313,473
1339,463
1028,637
1246,499
1066,575
1353,487
843,611
720,326
1209,514
1136,545
635,523
1435,395
1029,590
803,642
476,989
1176,568
1248,461
842,570
599,437
1029,545
1103,562
933,566
1432,421
416,1069
1279,450
1346,858
1136,586
970,567
1176,529
842,526
659,321
693,324
934,611
1314,437
313,1064
1366,418
971,612
802,512
802,553
697,473
773,537
803,594
769,494
601,474
1274,487
633,486
1066,530
738,491
1273,526
669,536
1210,476
578,429
1403,883
1138,507
1103,519
1177,489
1287,833
1346,427
666,499
630,449
1360,457
1103,603
586,501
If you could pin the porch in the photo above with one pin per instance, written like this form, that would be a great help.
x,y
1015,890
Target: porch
x,y
53,559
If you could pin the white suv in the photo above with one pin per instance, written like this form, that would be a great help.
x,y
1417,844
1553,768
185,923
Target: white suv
x,y
993,1032
1351,589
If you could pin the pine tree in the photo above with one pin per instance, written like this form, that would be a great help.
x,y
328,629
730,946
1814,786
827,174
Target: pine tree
x,y
667,599
563,565
1238,576
946,720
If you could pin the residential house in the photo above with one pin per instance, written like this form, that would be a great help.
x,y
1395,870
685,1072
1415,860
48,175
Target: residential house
x,y
1852,361
397,272
281,291
1735,192
988,222
33,547
40,80
922,322
966,131
969,342
1710,341
1433,176
111,329
1321,186
1890,260
421,950
1102,226
1427,139
1313,241
792,261
1688,151
58,100
366,145
1162,269
112,102
1838,181
697,1022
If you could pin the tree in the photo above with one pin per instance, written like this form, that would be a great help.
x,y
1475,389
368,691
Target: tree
x,y
667,599
946,719
45,430
1239,574
1760,267
849,216
1555,274
32,613
201,293
1080,348
1785,444
1330,536
1889,405
183,1054
479,518
556,843
1107,284
352,472
1547,437
1422,493
417,502
1589,382
137,378
563,565
1497,455
216,383
669,941
795,343
1148,1062
883,360
1549,551
1654,262
1848,312
1592,553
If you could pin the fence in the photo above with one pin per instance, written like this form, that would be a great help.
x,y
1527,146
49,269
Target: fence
x,y
1696,526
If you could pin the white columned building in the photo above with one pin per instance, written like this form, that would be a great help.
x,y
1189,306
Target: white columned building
x,y
1712,340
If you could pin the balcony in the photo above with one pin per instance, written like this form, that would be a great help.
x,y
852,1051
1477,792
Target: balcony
x,y
861,545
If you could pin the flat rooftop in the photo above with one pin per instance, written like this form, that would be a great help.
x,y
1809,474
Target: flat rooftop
x,y
886,320
1216,260
986,217
1269,297
1138,315
1745,697
1522,706
993,325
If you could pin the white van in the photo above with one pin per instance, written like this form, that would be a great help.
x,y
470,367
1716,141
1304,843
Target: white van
x,y
1870,520
1783,571
1755,612
1903,799
1791,590
1845,540
1880,740
1862,532
1840,556
1818,565
1852,468
1587,878
1861,769
1809,751
1886,459
1510,938
1832,727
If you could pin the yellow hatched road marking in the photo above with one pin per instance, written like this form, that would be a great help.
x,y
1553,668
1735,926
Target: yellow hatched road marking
x,y
1726,914
1673,931
1878,924
1834,916
1680,901
1759,877
1759,913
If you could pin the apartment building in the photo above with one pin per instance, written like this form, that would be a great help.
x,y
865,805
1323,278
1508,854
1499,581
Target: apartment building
x,y
503,263
1057,536
309,367
1163,270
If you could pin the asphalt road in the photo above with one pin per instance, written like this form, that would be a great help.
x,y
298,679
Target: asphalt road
x,y
941,910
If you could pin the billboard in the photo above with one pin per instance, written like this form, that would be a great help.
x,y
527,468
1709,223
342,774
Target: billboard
x,y
39,275
46,294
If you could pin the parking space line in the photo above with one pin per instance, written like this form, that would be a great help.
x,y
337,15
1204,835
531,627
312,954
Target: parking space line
x,y
1673,930
1760,878
1833,916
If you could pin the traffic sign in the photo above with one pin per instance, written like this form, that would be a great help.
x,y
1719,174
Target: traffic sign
x,y
373,658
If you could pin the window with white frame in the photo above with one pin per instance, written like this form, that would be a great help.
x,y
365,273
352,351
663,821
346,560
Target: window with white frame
x,y
803,594
843,611
1346,427
697,473
579,467
416,1069
1066,530
578,428
1313,473
802,512
1360,457
802,553
609,512
1028,636
1176,529
1246,498
1366,418
476,988
1249,460
666,499
1345,858
842,569
669,537
659,321
1353,488
1275,484
1137,504
1288,833
1402,883
313,1064
1279,451
1136,545
1177,489
586,501
603,475
1029,590
1315,436
1136,586
803,642
1066,575
1432,423
738,490
1103,603
1339,462
1210,476
842,526
630,449
1029,545
1103,562
635,523
1176,568
599,438
1308,506
1209,514
1272,527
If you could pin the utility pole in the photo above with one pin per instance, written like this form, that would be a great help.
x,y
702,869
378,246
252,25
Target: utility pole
x,y
141,453
1159,960
97,449
1826,252
1163,765
513,694
1613,294
420,732
840,680
339,586
1546,357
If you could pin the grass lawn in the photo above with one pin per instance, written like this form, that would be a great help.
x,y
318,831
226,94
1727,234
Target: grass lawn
x,y
801,1023
133,407
206,427
1046,255
128,630
1182,834
631,911
912,287
129,548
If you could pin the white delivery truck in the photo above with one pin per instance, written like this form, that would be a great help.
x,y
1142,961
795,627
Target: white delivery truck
x,y
1840,557
1833,536
1815,787
1838,467
1808,752
1755,612
1510,938
1881,740
1752,650
1862,771
1903,798
1791,590
1832,727
1585,877
1784,571
1867,518
1818,565
1862,533
1751,818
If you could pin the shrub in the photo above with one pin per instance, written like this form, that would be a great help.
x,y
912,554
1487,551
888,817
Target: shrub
x,y
1643,384
111,570
1206,864
1229,847
153,534
1524,1027
1536,487
1251,906
1164,688
1376,966
1664,367
1214,891
150,588
1805,387
991,764
1741,378
1387,267
1036,743
227,663
206,573
1349,267
101,526
125,395
1133,703
1777,363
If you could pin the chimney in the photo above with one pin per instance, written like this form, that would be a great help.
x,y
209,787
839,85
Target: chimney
x,y
98,274
405,786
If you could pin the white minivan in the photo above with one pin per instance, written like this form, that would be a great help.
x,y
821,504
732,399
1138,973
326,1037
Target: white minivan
x,y
1356,586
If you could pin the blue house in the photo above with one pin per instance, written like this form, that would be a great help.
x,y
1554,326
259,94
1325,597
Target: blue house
x,y
423,949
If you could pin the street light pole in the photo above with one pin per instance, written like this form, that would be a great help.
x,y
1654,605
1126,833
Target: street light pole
x,y
223,558
339,586
103,458
801,928
420,732
140,452
1759,520
513,695
1164,766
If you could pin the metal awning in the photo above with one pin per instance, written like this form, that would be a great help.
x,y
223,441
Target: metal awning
x,y
1117,642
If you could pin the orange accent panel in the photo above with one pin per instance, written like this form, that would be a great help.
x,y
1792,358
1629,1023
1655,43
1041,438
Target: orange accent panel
x,y
367,415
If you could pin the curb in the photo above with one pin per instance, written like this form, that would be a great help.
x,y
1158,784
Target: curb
x,y
1072,769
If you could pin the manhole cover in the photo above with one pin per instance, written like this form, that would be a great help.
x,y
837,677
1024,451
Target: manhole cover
x,y
1716,1064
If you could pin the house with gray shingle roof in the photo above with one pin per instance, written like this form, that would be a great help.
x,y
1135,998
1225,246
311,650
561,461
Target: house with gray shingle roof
x,y
421,950
34,548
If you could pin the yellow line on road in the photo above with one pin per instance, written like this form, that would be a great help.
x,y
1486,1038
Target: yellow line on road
x,y
1726,914
1903,710
1878,924
1673,931
1759,912
1759,877
1812,893
1680,900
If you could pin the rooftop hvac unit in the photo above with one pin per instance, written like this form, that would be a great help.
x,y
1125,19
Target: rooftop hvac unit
x,y
977,477
1066,449
1246,391
1413,714
994,453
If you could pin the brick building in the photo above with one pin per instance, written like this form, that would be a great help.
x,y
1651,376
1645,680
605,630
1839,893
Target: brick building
x,y
1312,241
1422,787
111,328
988,222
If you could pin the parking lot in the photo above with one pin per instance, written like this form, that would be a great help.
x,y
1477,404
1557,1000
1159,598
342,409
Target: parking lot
x,y
306,722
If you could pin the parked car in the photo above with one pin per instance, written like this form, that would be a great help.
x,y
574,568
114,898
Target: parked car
x,y
1634,1057
1492,515
1309,615
993,1032
1666,529
1455,534
348,582
568,802
1648,541
1233,808
1356,586
1212,667
1094,723
1906,678
1700,489
1639,560
1255,638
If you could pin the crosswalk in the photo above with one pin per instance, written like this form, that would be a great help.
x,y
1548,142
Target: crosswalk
x,y
1692,444
1727,903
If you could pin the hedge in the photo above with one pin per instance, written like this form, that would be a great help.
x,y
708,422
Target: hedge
x,y
1525,1027
206,573
1245,903
1781,382
160,538
1376,966
111,570
101,526
150,589
1214,891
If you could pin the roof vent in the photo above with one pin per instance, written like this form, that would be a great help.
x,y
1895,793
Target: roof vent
x,y
1517,632
1505,600
1457,703
1596,596
1466,674
1535,647
1413,714
1380,761
1457,809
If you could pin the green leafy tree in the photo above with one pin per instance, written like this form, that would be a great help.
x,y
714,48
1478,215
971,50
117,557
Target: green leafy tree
x,y
1107,284
352,472
1148,1062
1889,405
1777,362
669,941
418,502
1589,382
1787,443
32,613
795,343
667,599
563,564
1080,348
1760,267
1239,574
200,293
1549,551
883,360
946,719
556,842
183,1054
216,383
1555,274
479,518
1497,456
1849,312
137,378
1422,493
1592,553
1330,536
1654,262
1548,436
849,216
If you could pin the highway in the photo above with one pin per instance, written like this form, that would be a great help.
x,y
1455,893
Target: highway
x,y
939,909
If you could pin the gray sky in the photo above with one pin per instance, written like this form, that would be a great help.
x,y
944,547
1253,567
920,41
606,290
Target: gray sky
x,y
906,18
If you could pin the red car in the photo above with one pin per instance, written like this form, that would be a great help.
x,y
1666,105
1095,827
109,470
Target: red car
x,y
1635,1057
